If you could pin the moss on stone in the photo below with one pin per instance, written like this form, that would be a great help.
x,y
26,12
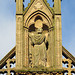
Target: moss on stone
x,y
39,70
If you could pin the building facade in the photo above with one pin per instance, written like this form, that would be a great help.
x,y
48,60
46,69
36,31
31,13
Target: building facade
x,y
38,47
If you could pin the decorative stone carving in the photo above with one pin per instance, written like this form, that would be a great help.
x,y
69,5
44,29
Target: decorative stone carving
x,y
38,41
38,5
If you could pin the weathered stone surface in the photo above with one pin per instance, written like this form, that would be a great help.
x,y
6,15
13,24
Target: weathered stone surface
x,y
38,41
38,35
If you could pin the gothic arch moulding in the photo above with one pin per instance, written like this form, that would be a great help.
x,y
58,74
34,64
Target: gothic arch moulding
x,y
43,17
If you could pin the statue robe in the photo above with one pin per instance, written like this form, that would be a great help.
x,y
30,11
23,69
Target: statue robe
x,y
39,50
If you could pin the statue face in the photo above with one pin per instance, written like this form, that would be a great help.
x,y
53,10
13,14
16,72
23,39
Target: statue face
x,y
39,30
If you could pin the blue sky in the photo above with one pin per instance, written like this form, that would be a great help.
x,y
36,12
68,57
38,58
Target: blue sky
x,y
8,25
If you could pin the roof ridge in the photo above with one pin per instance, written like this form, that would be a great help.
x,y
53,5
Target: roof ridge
x,y
7,56
67,54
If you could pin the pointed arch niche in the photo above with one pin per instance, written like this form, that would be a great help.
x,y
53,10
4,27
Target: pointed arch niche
x,y
38,15
37,20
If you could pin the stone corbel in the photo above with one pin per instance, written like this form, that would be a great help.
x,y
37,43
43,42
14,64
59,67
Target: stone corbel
x,y
51,28
25,27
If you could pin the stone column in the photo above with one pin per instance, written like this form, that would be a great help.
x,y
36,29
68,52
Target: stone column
x,y
19,6
58,34
26,48
50,50
19,33
57,6
58,42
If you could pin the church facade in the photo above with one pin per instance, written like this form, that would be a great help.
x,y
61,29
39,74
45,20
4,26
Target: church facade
x,y
38,49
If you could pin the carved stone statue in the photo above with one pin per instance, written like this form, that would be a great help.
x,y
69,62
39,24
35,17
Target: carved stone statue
x,y
38,41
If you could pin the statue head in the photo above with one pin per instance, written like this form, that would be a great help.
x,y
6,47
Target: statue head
x,y
39,30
